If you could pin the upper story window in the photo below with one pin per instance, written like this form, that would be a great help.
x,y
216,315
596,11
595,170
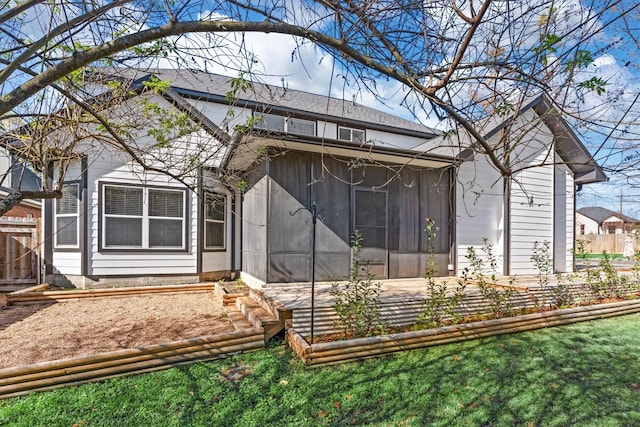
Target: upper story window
x,y
66,223
143,218
285,124
351,135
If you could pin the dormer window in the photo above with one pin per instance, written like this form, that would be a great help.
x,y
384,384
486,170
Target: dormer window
x,y
285,124
351,135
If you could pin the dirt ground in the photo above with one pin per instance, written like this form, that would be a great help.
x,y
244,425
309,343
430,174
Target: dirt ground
x,y
43,332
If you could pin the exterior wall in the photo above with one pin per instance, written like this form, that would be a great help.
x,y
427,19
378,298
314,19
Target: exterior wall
x,y
107,169
254,223
563,218
327,130
532,215
392,140
67,262
220,113
479,211
590,226
24,210
91,265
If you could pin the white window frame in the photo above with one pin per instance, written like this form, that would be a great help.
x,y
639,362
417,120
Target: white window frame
x,y
286,123
216,221
75,214
351,132
146,217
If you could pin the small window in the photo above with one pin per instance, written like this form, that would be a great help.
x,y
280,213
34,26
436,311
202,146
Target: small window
x,y
283,124
144,218
67,211
214,221
582,228
301,127
351,135
270,122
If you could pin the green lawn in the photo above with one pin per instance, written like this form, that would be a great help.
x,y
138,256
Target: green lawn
x,y
584,374
600,256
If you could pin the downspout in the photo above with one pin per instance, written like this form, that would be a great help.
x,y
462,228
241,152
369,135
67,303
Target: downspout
x,y
84,266
453,206
48,223
576,188
200,226
507,227
506,268
268,215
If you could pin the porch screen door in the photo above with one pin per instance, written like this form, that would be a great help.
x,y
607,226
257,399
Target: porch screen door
x,y
370,219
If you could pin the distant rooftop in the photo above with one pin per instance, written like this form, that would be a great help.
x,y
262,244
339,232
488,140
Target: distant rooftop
x,y
599,214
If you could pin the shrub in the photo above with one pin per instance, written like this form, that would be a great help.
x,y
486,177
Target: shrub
x,y
356,302
500,302
438,307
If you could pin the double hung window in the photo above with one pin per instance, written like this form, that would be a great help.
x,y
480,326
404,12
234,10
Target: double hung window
x,y
214,221
143,218
66,219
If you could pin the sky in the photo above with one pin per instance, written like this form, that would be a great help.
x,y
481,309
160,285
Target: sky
x,y
280,60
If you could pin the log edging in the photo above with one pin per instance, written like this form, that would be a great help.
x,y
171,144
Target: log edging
x,y
20,380
323,354
58,296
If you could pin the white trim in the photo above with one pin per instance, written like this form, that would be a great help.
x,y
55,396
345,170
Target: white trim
x,y
216,221
145,218
56,215
351,132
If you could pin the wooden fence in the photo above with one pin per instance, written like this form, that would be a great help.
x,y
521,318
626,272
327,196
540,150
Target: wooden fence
x,y
19,251
612,243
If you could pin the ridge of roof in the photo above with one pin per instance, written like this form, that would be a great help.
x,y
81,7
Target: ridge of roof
x,y
200,84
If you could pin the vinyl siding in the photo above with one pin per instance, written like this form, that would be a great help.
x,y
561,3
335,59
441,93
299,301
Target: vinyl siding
x,y
479,206
392,140
532,206
107,169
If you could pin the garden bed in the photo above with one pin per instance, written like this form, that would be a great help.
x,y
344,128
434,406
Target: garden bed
x,y
22,380
328,353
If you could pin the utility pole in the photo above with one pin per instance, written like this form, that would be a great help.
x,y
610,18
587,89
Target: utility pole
x,y
621,201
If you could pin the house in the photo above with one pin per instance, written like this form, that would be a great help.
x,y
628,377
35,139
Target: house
x,y
536,203
597,220
282,151
17,175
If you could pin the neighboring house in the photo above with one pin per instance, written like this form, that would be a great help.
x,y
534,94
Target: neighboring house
x,y
364,169
597,220
19,227
15,174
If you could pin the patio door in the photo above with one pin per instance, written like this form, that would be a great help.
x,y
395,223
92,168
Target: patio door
x,y
370,219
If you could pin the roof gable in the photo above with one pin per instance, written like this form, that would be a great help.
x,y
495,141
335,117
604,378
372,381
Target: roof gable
x,y
568,146
600,215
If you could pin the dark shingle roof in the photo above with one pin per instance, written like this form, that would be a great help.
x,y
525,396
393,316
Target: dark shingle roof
x,y
199,84
599,214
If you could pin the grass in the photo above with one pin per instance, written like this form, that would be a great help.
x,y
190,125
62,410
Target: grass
x,y
583,374
600,256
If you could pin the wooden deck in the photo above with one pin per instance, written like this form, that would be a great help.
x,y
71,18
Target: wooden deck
x,y
401,300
